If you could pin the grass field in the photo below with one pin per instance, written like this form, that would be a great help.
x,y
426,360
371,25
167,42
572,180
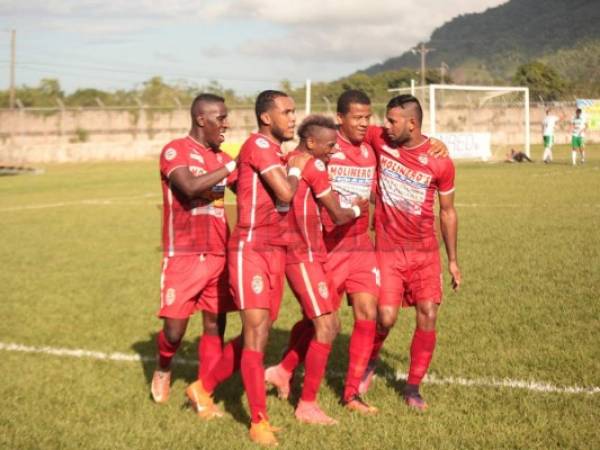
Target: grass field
x,y
80,267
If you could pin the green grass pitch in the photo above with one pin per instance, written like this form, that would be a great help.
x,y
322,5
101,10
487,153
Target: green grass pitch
x,y
80,270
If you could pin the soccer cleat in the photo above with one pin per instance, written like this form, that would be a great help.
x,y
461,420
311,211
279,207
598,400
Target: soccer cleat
x,y
161,385
415,401
202,402
262,433
280,378
367,377
357,404
310,412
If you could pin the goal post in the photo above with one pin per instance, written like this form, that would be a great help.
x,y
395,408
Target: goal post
x,y
476,122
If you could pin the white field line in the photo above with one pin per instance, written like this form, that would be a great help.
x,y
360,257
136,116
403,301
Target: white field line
x,y
91,201
535,386
521,205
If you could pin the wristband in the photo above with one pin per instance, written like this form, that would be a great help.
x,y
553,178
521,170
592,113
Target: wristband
x,y
356,210
295,172
230,166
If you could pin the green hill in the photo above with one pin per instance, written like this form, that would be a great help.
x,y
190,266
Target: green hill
x,y
489,46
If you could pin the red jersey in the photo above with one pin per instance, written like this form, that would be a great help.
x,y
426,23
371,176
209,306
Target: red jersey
x,y
192,226
408,180
261,217
305,226
352,170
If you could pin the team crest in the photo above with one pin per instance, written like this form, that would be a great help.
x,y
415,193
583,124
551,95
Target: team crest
x,y
364,151
198,158
220,158
170,297
262,143
323,291
257,284
170,154
423,159
395,153
319,165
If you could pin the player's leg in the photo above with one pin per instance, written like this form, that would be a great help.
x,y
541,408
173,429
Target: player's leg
x,y
326,329
582,149
281,374
168,341
210,345
547,152
421,351
574,147
256,325
364,307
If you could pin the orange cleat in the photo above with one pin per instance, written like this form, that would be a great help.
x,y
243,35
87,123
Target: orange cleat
x,y
311,412
161,385
262,433
357,404
280,378
202,402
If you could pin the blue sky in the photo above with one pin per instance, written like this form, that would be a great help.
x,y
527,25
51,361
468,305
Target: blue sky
x,y
247,45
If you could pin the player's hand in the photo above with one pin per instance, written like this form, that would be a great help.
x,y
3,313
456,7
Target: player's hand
x,y
299,161
438,149
362,203
455,274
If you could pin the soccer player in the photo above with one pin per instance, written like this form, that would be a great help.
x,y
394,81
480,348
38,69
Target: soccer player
x,y
578,126
194,172
406,245
305,269
257,248
548,131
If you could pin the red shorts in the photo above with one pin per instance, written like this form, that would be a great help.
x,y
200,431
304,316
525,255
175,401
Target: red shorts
x,y
311,288
409,276
257,275
352,269
192,282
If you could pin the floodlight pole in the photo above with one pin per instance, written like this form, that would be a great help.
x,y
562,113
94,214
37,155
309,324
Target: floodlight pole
x,y
423,51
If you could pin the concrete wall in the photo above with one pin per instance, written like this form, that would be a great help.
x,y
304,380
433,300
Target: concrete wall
x,y
71,135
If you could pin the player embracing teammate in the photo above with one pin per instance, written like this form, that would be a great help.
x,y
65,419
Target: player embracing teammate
x,y
406,244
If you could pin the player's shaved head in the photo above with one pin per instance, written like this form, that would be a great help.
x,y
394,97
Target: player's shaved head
x,y
349,97
201,100
312,124
265,101
410,104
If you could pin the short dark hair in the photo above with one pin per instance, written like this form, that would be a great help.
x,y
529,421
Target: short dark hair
x,y
203,98
578,110
351,96
400,100
265,101
310,123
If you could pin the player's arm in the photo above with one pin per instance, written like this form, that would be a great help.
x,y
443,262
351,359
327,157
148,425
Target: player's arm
x,y
194,187
284,185
449,228
340,215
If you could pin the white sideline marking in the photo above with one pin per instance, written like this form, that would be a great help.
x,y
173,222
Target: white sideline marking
x,y
535,386
521,205
91,201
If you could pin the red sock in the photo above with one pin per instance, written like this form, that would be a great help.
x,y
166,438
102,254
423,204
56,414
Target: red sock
x,y
361,347
380,337
253,376
166,350
300,337
315,364
209,353
421,351
228,364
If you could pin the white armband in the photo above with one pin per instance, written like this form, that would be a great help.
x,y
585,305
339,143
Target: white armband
x,y
230,166
357,211
295,172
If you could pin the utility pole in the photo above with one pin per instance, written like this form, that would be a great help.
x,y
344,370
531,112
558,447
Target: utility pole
x,y
13,57
423,51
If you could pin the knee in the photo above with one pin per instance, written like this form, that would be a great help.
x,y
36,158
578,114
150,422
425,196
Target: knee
x,y
386,318
327,328
426,317
174,335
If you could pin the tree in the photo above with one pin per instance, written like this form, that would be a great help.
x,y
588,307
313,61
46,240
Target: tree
x,y
542,80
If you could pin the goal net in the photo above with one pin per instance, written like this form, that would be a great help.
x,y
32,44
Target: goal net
x,y
475,122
